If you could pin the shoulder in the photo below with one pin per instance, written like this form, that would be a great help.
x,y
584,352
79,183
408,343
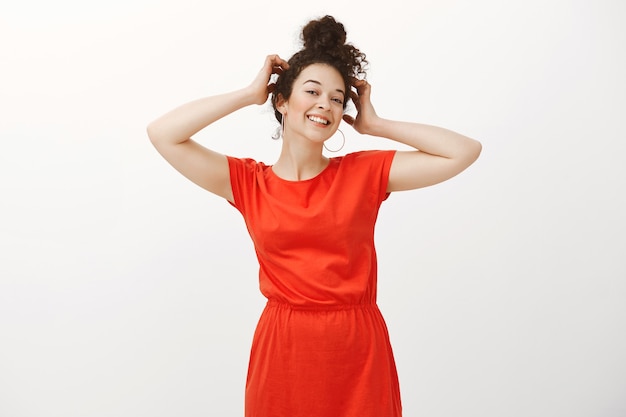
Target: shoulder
x,y
242,165
364,175
245,175
368,170
369,158
245,162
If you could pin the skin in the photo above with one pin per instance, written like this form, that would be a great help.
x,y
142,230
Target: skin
x,y
439,153
317,95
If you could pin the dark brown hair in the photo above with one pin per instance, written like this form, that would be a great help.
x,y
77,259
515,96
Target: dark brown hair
x,y
324,42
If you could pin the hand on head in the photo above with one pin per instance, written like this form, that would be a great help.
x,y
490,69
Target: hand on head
x,y
360,94
261,86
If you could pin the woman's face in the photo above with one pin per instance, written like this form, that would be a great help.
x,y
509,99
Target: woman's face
x,y
315,107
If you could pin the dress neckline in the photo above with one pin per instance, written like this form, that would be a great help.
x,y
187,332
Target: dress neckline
x,y
331,161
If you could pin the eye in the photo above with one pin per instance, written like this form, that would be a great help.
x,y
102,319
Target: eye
x,y
312,92
338,100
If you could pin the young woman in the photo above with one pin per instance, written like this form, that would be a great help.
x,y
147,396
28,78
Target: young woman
x,y
321,347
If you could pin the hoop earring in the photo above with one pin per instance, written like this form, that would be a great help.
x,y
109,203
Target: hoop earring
x,y
278,133
342,143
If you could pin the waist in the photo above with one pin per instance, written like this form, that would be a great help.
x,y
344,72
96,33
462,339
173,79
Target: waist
x,y
274,303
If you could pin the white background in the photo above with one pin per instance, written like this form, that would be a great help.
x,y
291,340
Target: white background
x,y
127,291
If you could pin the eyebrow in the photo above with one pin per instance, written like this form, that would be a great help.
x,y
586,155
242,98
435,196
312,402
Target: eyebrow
x,y
319,83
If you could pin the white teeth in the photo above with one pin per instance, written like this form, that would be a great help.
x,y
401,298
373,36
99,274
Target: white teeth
x,y
318,120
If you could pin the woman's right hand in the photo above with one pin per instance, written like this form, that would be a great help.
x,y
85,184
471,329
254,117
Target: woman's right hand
x,y
261,86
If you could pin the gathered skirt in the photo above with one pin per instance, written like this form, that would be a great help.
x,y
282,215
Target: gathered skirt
x,y
322,361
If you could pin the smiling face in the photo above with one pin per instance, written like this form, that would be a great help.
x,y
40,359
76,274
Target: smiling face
x,y
315,107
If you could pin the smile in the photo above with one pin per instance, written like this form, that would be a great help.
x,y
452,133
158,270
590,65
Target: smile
x,y
317,119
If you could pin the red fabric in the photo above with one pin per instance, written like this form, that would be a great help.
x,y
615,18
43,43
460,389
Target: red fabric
x,y
321,348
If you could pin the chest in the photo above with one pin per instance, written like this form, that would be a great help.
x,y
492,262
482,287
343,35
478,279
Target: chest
x,y
323,216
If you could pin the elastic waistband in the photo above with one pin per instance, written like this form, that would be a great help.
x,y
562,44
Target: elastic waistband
x,y
320,307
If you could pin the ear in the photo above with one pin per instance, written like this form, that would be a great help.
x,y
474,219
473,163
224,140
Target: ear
x,y
281,104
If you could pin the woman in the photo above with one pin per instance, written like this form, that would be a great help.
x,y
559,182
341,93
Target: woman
x,y
321,347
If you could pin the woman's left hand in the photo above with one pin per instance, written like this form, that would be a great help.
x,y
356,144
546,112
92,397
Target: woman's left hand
x,y
366,115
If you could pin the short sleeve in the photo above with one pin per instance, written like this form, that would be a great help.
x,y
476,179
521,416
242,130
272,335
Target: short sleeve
x,y
375,166
242,180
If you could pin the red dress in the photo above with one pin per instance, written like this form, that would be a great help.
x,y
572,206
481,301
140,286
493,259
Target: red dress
x,y
321,347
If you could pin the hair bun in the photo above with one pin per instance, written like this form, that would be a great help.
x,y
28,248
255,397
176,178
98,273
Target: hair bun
x,y
323,34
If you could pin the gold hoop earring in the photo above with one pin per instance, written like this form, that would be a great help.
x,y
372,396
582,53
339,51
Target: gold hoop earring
x,y
342,143
280,130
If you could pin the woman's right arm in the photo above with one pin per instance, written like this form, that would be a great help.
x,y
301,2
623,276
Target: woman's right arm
x,y
171,133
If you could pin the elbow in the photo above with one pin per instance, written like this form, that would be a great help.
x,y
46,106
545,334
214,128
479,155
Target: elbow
x,y
477,149
152,132
470,153
155,133
161,134
474,148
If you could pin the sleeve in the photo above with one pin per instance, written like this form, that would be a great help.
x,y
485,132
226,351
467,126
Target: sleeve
x,y
242,176
375,166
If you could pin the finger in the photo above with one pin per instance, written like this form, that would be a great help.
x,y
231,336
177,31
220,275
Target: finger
x,y
357,81
277,61
348,119
284,64
354,96
274,64
362,87
354,81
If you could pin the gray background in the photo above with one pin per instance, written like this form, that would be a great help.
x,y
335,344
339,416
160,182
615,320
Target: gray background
x,y
126,290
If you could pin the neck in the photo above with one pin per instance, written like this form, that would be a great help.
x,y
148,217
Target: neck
x,y
299,162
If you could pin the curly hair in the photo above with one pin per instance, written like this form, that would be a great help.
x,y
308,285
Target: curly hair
x,y
324,42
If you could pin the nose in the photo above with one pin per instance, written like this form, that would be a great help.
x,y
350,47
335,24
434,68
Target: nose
x,y
323,102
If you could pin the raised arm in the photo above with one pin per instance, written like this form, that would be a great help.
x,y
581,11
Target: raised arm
x,y
439,153
171,133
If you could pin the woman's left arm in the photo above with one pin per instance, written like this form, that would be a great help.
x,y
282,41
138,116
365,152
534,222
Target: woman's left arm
x,y
439,153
